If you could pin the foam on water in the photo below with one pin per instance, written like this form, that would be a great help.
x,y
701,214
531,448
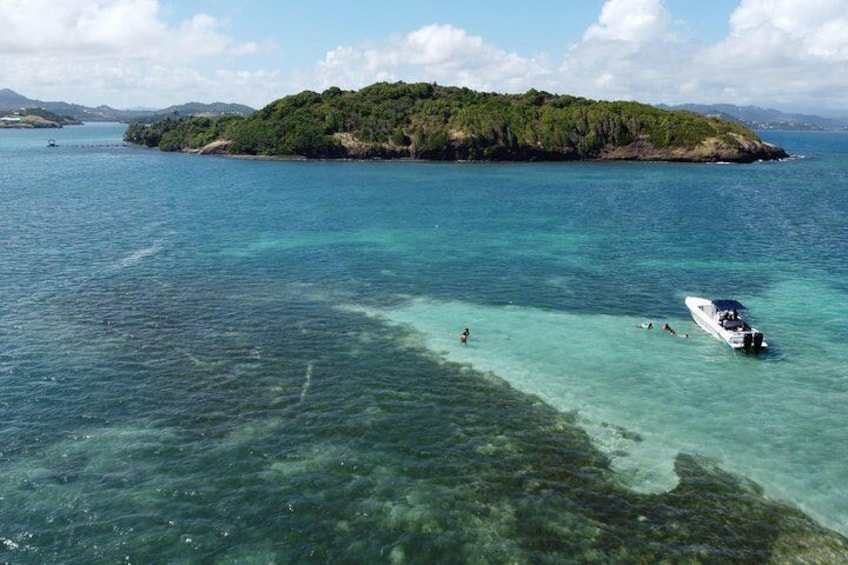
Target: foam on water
x,y
136,256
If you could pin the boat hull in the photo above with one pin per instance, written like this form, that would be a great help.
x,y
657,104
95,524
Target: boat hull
x,y
737,334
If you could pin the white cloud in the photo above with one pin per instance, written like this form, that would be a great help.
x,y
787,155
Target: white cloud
x,y
631,53
782,53
120,46
771,29
629,44
440,53
778,52
106,28
630,20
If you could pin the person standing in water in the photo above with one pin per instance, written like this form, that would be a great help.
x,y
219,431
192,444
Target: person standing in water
x,y
463,337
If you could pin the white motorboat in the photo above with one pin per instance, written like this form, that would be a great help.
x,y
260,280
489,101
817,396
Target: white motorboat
x,y
722,319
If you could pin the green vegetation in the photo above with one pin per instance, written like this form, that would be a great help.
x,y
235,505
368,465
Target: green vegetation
x,y
426,121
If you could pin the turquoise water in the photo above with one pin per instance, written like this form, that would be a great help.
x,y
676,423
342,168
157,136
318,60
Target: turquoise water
x,y
222,360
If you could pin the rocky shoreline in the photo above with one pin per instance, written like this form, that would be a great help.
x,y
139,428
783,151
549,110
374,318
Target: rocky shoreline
x,y
711,150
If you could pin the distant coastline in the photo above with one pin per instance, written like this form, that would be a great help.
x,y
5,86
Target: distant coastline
x,y
29,118
11,101
754,117
28,123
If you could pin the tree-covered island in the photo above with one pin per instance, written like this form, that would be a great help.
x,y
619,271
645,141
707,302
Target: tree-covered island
x,y
428,121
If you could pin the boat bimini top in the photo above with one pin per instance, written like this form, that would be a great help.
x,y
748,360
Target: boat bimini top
x,y
727,305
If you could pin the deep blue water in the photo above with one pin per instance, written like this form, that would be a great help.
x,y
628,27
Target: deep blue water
x,y
223,360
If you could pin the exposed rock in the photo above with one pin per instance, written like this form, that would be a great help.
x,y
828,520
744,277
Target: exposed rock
x,y
218,147
736,149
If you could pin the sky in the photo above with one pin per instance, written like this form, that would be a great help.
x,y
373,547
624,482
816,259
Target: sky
x,y
790,55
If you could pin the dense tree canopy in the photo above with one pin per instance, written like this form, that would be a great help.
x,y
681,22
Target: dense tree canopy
x,y
427,121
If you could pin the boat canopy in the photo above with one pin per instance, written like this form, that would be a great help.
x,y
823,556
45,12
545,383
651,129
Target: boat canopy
x,y
728,304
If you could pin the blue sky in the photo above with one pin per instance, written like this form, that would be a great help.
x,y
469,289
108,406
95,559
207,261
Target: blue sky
x,y
786,54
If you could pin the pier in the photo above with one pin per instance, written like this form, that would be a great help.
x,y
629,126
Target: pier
x,y
53,143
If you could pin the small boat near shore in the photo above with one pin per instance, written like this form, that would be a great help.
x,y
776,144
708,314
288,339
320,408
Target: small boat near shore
x,y
721,318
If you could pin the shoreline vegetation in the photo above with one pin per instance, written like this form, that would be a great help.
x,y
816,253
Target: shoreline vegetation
x,y
425,121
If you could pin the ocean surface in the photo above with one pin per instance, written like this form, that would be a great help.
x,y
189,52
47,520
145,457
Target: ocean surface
x,y
219,360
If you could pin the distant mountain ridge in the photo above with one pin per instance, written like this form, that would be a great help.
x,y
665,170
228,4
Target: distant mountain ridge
x,y
12,101
765,118
752,116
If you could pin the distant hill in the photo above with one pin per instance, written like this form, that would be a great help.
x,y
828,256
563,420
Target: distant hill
x,y
195,110
752,116
765,118
12,101
434,122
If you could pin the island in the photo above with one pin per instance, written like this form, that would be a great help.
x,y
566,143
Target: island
x,y
431,122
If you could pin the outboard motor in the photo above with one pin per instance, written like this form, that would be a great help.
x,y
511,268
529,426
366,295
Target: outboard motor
x,y
758,341
747,340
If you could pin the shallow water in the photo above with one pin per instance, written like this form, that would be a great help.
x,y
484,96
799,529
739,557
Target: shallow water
x,y
257,361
